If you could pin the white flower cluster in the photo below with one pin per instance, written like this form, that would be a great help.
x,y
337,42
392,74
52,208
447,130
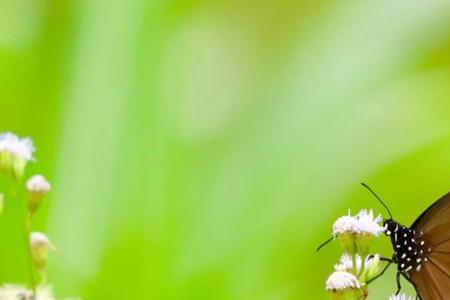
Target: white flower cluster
x,y
15,153
38,239
341,281
363,223
346,263
15,292
38,184
40,244
22,148
400,297
356,267
38,187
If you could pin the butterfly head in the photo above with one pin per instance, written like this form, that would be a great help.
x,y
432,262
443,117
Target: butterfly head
x,y
390,226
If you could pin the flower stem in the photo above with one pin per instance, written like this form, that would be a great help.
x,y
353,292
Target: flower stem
x,y
18,195
27,232
363,266
355,267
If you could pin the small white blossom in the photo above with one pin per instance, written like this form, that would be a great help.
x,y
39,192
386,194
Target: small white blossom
x,y
22,148
39,246
345,224
340,281
15,292
368,223
400,297
346,263
38,184
363,223
37,187
38,239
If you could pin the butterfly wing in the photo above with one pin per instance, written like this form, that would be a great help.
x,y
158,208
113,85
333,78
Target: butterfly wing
x,y
425,286
437,214
433,279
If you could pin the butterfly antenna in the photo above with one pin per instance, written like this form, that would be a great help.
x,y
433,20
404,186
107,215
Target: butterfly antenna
x,y
378,198
324,243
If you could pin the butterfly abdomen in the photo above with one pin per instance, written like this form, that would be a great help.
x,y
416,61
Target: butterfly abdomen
x,y
410,250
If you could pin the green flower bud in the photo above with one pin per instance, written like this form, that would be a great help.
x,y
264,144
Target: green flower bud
x,y
15,153
37,187
369,228
372,268
18,166
39,246
355,234
363,243
344,229
343,286
5,161
365,269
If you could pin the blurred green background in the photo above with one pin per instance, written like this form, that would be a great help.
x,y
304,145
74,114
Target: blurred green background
x,y
203,149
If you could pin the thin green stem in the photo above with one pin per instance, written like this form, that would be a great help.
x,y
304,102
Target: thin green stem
x,y
363,266
17,193
355,267
29,257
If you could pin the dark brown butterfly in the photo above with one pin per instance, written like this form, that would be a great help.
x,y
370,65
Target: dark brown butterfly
x,y
422,251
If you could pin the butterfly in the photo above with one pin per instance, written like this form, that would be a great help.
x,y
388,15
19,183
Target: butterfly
x,y
422,251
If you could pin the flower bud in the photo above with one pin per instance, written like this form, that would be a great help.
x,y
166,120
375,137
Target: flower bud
x,y
344,229
15,153
355,234
39,246
372,268
363,243
5,160
365,269
37,187
343,286
369,228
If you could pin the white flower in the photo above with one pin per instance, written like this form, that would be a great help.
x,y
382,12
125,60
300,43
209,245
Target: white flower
x,y
15,153
37,187
346,263
400,297
345,224
39,246
14,292
38,184
363,223
340,281
38,239
368,223
21,148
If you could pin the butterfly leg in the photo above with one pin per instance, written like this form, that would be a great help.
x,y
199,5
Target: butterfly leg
x,y
413,284
386,259
399,286
381,258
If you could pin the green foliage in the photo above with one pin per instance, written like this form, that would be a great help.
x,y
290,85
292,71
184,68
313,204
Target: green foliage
x,y
202,149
